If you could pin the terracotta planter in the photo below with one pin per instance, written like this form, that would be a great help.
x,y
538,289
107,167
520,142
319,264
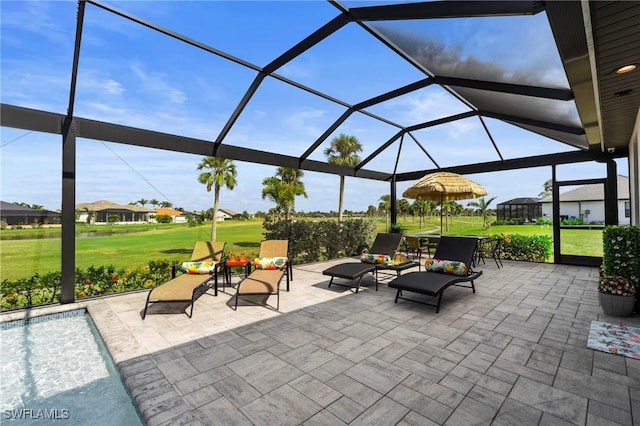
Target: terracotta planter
x,y
617,306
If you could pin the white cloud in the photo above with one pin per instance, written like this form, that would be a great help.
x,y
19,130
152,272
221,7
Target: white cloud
x,y
156,84
304,122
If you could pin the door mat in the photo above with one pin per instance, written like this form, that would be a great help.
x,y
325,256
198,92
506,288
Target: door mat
x,y
614,339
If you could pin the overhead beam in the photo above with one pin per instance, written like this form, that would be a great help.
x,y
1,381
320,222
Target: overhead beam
x,y
445,9
176,35
442,121
531,122
316,37
519,163
380,149
395,93
516,89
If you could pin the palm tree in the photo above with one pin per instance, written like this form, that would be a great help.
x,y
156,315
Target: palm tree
x,y
420,207
403,207
483,208
548,188
166,204
154,202
90,215
220,172
343,151
142,202
385,205
283,188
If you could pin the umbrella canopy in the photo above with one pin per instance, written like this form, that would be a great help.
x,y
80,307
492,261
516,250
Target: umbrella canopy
x,y
444,186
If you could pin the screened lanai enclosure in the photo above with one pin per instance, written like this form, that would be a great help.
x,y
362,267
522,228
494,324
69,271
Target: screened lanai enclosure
x,y
521,210
100,96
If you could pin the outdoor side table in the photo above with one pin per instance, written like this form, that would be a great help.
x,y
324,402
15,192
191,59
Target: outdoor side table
x,y
398,267
237,263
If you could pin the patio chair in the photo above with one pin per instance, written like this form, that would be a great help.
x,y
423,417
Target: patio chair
x,y
206,261
451,265
414,245
490,248
269,268
384,247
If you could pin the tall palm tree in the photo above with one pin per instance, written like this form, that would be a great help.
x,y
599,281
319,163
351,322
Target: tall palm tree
x,y
343,151
154,202
385,205
165,204
283,188
219,172
420,207
142,202
483,208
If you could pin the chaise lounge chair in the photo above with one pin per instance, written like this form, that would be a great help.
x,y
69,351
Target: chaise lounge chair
x,y
451,265
384,247
268,269
206,260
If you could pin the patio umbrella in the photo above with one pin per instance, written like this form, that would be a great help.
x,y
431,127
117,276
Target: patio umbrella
x,y
444,186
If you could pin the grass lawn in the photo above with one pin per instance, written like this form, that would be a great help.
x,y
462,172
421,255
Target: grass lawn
x,y
22,258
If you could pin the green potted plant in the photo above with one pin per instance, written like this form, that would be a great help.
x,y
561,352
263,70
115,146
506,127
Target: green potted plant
x,y
616,295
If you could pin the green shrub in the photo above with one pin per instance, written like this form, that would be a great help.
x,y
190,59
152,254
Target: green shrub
x,y
573,221
164,218
544,221
94,281
621,246
532,248
396,228
315,241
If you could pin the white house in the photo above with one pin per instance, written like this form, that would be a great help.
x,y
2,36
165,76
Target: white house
x,y
103,209
224,214
587,203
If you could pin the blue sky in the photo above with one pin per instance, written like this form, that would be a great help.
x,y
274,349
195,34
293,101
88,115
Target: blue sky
x,y
133,76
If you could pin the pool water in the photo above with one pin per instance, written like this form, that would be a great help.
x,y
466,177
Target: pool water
x,y
56,369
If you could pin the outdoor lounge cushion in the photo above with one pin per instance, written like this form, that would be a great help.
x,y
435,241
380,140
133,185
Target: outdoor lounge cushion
x,y
198,267
375,258
451,267
278,262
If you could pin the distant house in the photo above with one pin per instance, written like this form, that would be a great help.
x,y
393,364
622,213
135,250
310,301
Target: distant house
x,y
177,216
520,209
587,203
15,214
224,214
103,209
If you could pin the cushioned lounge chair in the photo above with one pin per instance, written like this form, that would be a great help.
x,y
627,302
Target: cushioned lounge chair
x,y
182,288
385,244
452,250
273,257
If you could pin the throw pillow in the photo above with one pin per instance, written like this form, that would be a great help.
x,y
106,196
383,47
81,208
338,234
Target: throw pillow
x,y
270,263
375,258
198,267
451,267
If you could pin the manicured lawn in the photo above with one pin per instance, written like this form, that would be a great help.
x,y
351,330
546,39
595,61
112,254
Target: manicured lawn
x,y
24,258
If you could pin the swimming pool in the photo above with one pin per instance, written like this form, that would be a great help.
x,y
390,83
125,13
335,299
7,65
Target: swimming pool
x,y
56,368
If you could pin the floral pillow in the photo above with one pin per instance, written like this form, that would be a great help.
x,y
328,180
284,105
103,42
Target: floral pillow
x,y
271,263
198,267
375,258
451,267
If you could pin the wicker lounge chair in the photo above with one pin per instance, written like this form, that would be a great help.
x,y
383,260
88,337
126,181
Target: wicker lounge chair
x,y
384,244
267,281
182,288
430,283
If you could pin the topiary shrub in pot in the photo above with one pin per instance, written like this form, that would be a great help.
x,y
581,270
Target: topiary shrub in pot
x,y
616,295
621,254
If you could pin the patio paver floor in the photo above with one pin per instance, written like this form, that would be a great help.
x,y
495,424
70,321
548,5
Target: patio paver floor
x,y
512,353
